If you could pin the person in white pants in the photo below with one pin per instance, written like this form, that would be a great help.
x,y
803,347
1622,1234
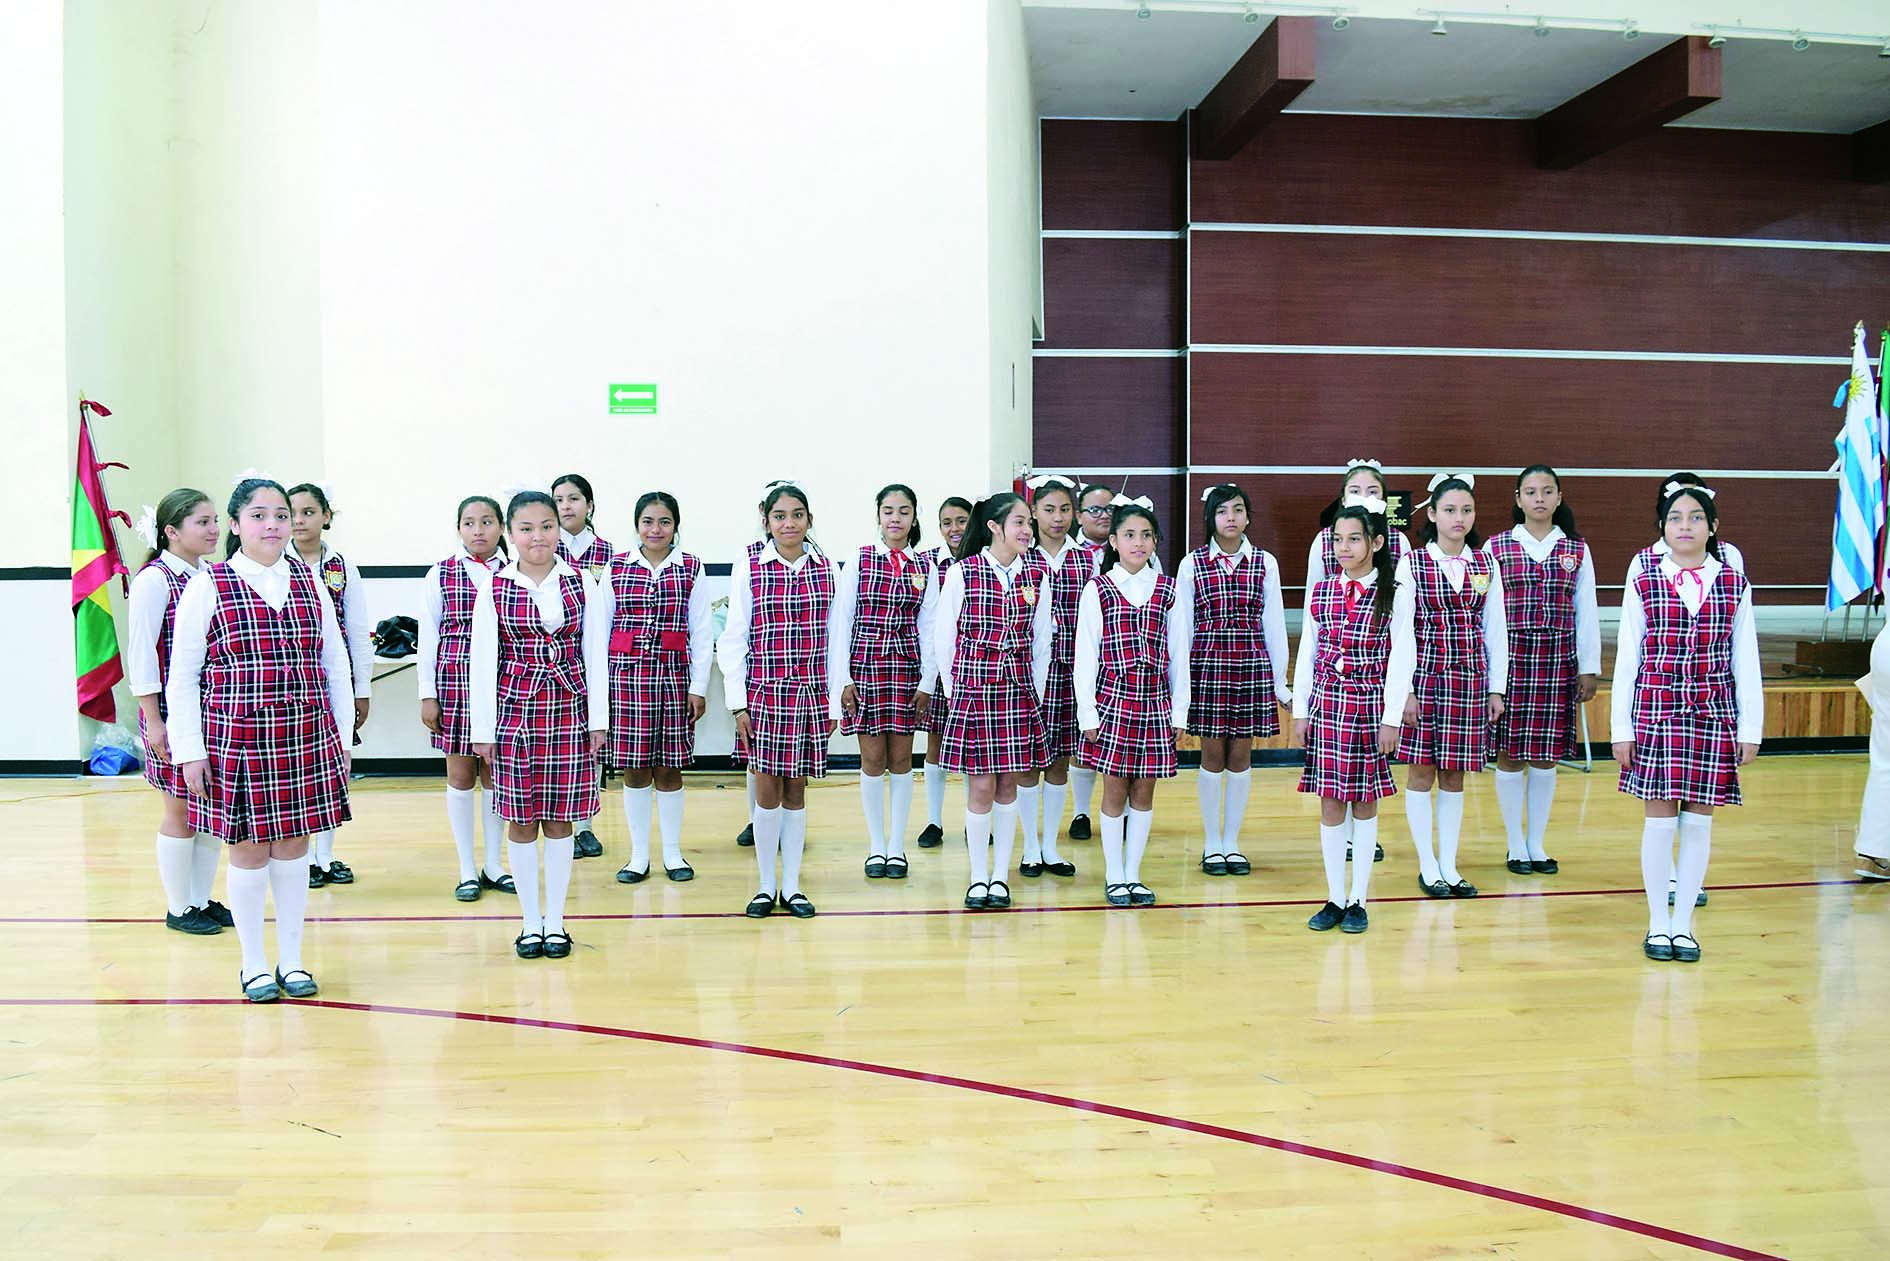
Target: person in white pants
x,y
1873,822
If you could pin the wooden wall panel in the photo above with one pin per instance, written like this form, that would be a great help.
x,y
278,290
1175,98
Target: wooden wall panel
x,y
1107,412
1113,175
1112,294
1325,409
1444,291
1481,173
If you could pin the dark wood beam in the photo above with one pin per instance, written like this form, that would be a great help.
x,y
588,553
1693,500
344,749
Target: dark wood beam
x,y
1266,79
1870,154
1649,94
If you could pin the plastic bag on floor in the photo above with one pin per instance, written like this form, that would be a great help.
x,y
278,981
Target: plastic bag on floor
x,y
114,752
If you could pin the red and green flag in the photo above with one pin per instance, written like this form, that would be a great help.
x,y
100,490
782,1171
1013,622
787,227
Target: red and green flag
x,y
95,561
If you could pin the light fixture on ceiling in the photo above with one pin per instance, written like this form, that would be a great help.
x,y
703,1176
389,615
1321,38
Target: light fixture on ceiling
x,y
1142,14
1438,28
1799,42
1630,29
1718,40
1248,16
1885,50
1542,28
1341,22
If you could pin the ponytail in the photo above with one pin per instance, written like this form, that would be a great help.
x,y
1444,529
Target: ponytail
x,y
983,515
1384,560
1564,517
1126,512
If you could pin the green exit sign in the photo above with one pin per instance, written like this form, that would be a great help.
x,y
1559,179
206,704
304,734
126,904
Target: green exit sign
x,y
635,399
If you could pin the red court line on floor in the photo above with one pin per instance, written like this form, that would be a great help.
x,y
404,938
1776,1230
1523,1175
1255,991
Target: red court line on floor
x,y
896,912
1351,1159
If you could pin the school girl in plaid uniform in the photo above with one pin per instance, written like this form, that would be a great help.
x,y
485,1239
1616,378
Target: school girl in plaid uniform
x,y
260,703
1462,671
739,757
1131,681
443,668
1071,564
1350,682
954,516
773,654
580,547
540,710
1228,608
182,532
1554,657
1094,513
879,646
312,516
994,632
1688,705
661,646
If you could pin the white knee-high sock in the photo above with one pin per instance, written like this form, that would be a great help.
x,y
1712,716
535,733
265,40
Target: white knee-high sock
x,y
495,837
1449,833
1210,791
322,848
1657,869
873,802
1113,827
559,859
1029,803
1417,810
978,846
934,793
1696,846
767,847
173,862
288,882
669,816
1510,790
1541,799
1135,842
1003,838
1236,786
204,853
1332,842
1052,817
636,814
523,856
751,796
793,846
898,812
1083,786
1364,844
459,819
249,888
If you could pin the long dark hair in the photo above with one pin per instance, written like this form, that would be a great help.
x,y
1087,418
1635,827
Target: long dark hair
x,y
1045,491
170,514
1330,512
497,511
1698,491
787,490
1563,518
1127,512
1474,539
985,514
584,488
1226,492
320,496
1382,560
900,488
663,497
239,499
956,501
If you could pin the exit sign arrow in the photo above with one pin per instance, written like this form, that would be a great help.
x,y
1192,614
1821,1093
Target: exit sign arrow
x,y
633,399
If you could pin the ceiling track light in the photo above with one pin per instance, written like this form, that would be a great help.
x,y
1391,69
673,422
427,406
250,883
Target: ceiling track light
x,y
1885,50
1542,28
1799,42
1142,14
1718,40
1630,29
1248,16
1438,28
1341,22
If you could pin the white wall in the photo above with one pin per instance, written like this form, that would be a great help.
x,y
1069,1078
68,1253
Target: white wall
x,y
1015,215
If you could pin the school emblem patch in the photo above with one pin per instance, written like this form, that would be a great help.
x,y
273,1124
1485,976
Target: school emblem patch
x,y
1030,595
918,581
1480,583
336,579
1570,564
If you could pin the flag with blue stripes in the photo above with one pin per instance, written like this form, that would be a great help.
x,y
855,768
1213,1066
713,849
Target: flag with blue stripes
x,y
1860,486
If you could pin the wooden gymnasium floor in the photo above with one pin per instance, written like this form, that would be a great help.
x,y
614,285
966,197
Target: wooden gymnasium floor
x,y
1501,1077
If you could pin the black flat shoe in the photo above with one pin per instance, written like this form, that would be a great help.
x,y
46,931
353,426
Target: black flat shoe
x,y
1519,867
194,922
746,837
1030,870
1079,828
215,910
1355,921
503,884
340,873
1214,864
896,867
557,945
294,988
932,837
1463,889
1141,895
995,901
680,875
1547,867
529,945
1237,864
1378,856
466,891
1062,867
1117,894
1685,948
1435,889
261,988
876,868
586,845
627,876
316,877
1658,946
1326,918
761,906
974,900
799,906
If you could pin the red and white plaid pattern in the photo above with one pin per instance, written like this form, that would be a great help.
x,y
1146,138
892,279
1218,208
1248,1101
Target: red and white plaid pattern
x,y
995,726
1452,682
1686,708
943,560
542,765
739,757
883,645
1329,557
1347,705
1137,737
787,667
158,772
649,684
597,556
1539,707
276,769
452,662
1232,691
1059,697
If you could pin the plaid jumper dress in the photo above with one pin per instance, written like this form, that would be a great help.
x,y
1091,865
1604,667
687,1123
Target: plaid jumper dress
x,y
158,772
335,576
883,643
787,667
996,725
1686,711
1452,682
1539,706
943,560
1232,695
542,766
1347,705
452,662
649,683
1059,696
1137,737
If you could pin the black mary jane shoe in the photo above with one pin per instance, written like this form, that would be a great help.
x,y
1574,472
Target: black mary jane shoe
x,y
932,837
627,876
1435,889
799,906
466,891
261,988
215,910
680,875
297,983
876,867
586,845
1356,920
1686,948
1463,889
557,945
194,922
1029,870
975,900
897,867
995,901
1141,895
1519,867
1116,894
503,884
316,876
1326,918
1547,867
761,906
1378,856
1214,864
1062,867
746,837
1237,864
1079,828
1659,947
340,873
529,945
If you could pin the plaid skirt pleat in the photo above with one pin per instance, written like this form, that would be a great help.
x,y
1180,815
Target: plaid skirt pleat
x,y
452,683
542,764
1137,738
994,729
1342,758
787,722
159,773
1060,734
275,774
1539,707
1688,757
885,688
1231,693
649,712
1452,732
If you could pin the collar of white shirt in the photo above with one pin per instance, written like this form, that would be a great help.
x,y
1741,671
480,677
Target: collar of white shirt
x,y
674,556
473,562
1708,571
1369,580
1437,552
1245,550
242,564
1070,548
879,545
1137,586
177,564
580,542
558,570
1537,548
770,556
1013,569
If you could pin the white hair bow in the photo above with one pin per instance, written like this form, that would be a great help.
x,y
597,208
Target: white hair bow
x,y
251,474
328,493
1366,462
513,491
1370,503
1220,486
1674,488
779,482
1049,479
147,527
1468,479
1140,501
